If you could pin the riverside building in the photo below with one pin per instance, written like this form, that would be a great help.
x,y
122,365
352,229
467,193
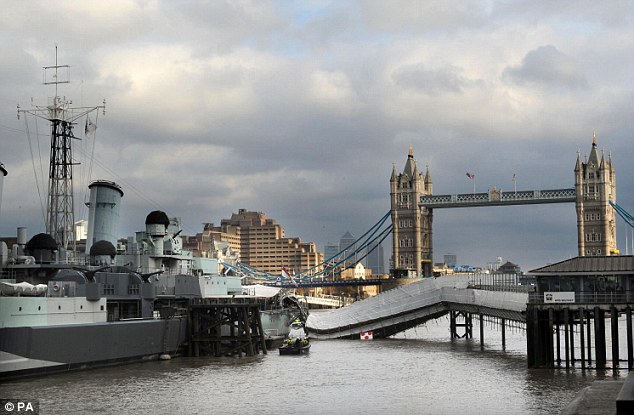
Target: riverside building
x,y
259,242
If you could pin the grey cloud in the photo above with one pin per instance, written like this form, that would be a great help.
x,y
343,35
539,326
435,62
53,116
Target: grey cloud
x,y
430,81
549,67
235,125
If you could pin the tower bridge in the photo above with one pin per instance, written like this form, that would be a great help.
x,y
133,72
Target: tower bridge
x,y
574,298
413,204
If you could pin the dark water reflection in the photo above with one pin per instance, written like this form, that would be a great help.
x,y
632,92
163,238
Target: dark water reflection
x,y
420,372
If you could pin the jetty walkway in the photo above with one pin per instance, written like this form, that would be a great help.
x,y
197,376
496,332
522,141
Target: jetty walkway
x,y
409,305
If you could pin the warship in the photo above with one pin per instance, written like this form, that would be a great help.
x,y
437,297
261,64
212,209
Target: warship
x,y
67,304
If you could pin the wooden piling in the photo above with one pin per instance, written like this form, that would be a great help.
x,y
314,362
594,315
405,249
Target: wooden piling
x,y
599,337
589,333
224,326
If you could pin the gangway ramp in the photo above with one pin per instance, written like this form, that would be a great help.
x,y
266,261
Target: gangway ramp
x,y
409,305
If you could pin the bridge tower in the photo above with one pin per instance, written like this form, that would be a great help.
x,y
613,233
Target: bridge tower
x,y
412,224
595,185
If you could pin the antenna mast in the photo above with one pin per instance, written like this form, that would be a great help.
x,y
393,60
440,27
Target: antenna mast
x,y
60,215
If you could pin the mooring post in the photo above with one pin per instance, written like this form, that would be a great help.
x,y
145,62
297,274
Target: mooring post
x,y
566,338
614,320
582,346
589,331
481,331
630,346
503,334
558,339
548,338
571,319
260,329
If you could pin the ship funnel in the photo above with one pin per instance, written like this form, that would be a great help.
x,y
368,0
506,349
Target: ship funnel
x,y
156,224
103,212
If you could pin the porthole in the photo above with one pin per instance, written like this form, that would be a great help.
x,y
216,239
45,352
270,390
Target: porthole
x,y
39,307
59,307
19,308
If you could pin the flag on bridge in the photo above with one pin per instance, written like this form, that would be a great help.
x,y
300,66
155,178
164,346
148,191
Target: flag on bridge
x,y
471,175
288,276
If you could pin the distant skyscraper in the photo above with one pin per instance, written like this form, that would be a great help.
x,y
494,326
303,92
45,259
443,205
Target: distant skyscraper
x,y
451,260
347,243
375,259
330,250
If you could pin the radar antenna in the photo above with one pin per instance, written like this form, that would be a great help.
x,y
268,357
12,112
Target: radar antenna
x,y
60,216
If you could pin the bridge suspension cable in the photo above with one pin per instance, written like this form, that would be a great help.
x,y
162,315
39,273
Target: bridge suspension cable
x,y
629,219
363,245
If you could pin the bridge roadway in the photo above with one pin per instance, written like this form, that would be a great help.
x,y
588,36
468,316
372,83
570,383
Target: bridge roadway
x,y
498,198
409,305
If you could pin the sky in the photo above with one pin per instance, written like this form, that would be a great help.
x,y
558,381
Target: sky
x,y
300,110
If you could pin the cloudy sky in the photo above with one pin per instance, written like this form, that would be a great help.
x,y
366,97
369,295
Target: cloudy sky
x,y
299,109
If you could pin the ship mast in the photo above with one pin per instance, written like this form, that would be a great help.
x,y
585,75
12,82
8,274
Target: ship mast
x,y
60,215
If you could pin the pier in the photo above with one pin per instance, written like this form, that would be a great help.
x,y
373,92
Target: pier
x,y
225,326
550,326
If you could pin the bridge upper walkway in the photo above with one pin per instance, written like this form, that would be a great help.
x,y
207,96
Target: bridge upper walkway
x,y
409,305
496,198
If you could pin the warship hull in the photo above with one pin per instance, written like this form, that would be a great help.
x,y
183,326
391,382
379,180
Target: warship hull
x,y
38,350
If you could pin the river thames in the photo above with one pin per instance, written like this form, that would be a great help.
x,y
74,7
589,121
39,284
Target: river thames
x,y
421,371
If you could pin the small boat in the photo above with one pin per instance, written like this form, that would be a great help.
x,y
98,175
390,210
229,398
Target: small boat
x,y
295,347
297,342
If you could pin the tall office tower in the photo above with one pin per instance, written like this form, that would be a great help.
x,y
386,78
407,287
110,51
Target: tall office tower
x,y
330,251
348,246
451,260
375,259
